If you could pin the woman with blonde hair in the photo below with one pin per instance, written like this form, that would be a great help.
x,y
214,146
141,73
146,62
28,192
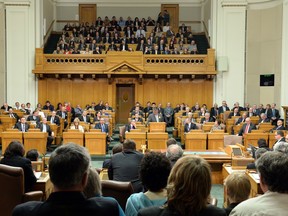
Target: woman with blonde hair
x,y
76,125
188,190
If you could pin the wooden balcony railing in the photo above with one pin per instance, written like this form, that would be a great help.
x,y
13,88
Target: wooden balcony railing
x,y
123,63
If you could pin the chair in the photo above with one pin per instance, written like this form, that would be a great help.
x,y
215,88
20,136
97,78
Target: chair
x,y
121,191
12,189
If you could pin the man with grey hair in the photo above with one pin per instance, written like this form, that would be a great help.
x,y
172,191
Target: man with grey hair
x,y
259,152
273,172
173,153
68,170
281,147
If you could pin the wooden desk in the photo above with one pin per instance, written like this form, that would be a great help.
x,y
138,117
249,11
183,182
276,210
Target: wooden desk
x,y
95,142
255,184
138,137
9,136
216,159
195,141
45,185
7,122
35,140
252,138
157,140
74,137
157,127
216,140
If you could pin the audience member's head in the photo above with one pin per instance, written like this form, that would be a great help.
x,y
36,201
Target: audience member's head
x,y
259,152
32,155
117,148
189,185
15,148
68,167
238,187
171,141
262,143
281,147
273,171
173,153
93,187
154,171
129,145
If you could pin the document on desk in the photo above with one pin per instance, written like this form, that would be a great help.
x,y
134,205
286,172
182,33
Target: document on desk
x,y
255,176
37,174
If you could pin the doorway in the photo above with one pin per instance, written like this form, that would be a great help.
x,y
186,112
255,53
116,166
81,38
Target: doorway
x,y
173,10
125,98
87,13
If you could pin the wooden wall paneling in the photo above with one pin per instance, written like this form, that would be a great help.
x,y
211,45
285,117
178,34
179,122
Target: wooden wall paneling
x,y
42,90
65,93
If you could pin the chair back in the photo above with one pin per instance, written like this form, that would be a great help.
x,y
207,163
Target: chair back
x,y
11,187
121,191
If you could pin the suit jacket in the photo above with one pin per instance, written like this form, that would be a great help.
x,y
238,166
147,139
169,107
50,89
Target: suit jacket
x,y
268,113
98,126
138,120
232,114
220,110
31,118
279,128
203,120
128,127
123,45
214,112
68,203
81,118
25,164
51,107
48,128
240,120
265,120
242,130
59,113
15,116
55,121
3,108
18,126
152,118
192,127
123,161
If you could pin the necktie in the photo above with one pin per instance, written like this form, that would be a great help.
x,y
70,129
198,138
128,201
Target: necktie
x,y
157,119
273,112
247,129
52,120
103,130
23,127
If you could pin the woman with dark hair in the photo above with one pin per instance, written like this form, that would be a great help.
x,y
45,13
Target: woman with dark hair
x,y
188,190
14,156
154,172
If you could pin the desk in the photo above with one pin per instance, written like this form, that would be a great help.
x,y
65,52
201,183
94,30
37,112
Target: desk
x,y
9,136
45,185
95,142
216,159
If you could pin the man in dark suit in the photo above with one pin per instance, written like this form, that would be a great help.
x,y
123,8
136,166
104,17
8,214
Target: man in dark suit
x,y
130,126
223,108
6,107
48,106
34,117
268,111
242,118
137,118
101,125
263,119
274,114
155,116
22,125
84,117
234,113
63,114
69,182
125,166
123,46
279,125
247,127
44,127
116,149
54,119
207,118
258,153
99,106
279,136
189,125
11,114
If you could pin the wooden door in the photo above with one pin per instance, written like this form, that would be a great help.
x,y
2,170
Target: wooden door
x,y
125,101
173,10
87,13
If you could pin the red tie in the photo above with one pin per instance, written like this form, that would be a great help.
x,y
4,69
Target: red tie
x,y
247,129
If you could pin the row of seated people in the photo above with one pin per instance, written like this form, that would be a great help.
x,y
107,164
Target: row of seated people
x,y
90,45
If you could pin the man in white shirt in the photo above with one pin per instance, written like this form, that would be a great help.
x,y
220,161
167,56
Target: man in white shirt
x,y
272,168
